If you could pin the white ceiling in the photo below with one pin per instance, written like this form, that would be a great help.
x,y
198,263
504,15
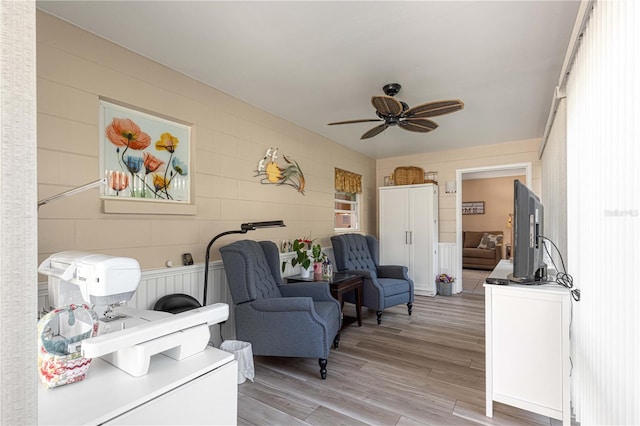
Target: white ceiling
x,y
314,62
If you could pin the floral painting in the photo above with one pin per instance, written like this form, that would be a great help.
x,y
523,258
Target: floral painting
x,y
143,156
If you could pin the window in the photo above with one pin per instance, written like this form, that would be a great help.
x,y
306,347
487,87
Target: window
x,y
348,187
346,211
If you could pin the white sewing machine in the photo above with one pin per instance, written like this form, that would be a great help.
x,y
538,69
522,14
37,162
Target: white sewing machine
x,y
127,337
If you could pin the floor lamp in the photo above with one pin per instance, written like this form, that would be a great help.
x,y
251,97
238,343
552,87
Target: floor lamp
x,y
73,191
251,226
176,303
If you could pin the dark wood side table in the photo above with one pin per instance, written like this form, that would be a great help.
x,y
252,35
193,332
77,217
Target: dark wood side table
x,y
340,284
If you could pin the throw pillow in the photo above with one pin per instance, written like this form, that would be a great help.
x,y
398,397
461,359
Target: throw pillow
x,y
490,241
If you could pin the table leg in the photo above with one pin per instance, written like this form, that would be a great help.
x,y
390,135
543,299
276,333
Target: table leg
x,y
359,305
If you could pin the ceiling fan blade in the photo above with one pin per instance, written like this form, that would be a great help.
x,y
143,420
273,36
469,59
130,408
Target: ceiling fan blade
x,y
386,105
422,125
365,120
375,131
433,109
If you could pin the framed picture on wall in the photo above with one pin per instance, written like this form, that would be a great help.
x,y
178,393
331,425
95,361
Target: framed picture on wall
x,y
473,207
144,157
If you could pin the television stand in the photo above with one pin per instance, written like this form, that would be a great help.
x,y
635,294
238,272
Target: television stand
x,y
527,346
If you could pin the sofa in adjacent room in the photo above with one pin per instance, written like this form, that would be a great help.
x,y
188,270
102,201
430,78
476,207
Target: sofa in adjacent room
x,y
481,250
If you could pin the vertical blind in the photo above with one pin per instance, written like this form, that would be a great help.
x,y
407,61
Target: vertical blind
x,y
603,214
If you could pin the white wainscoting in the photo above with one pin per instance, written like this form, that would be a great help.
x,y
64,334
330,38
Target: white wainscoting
x,y
156,283
449,263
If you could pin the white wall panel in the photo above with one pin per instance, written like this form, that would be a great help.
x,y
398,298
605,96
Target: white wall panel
x,y
18,227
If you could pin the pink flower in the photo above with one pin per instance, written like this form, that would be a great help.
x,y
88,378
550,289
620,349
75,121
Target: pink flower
x,y
118,180
151,163
124,132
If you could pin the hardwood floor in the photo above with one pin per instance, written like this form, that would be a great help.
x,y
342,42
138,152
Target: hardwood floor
x,y
424,369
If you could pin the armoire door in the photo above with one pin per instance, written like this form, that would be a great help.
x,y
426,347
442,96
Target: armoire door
x,y
394,226
421,239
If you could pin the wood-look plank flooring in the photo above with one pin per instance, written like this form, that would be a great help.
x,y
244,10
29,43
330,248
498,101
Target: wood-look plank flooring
x,y
424,369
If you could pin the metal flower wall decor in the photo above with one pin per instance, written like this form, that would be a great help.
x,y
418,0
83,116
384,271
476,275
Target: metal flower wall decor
x,y
287,174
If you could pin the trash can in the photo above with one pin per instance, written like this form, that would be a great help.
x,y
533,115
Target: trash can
x,y
244,355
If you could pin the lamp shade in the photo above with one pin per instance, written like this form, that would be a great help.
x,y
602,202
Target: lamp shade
x,y
450,187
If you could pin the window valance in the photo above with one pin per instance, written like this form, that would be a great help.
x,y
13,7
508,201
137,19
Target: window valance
x,y
348,182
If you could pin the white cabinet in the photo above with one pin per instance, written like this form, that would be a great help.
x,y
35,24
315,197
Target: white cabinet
x,y
200,389
527,346
409,232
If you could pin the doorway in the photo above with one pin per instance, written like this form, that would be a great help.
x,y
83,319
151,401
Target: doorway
x,y
487,172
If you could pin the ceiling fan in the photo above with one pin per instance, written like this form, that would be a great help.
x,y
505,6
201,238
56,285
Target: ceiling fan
x,y
394,112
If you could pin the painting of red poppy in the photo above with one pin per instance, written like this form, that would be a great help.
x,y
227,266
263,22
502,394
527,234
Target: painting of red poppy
x,y
142,156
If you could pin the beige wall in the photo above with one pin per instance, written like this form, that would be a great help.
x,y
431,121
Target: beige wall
x,y
446,163
497,194
75,68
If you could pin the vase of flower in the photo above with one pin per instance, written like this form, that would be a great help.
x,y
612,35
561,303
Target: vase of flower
x,y
317,271
319,258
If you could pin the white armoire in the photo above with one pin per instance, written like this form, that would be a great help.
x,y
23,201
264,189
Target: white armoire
x,y
408,218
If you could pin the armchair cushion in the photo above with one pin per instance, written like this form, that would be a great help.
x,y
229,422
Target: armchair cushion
x,y
318,291
391,286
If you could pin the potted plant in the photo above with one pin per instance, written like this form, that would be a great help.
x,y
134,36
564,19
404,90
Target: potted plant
x,y
301,258
444,284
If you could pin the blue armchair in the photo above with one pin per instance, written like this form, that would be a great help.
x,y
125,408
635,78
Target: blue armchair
x,y
292,320
384,286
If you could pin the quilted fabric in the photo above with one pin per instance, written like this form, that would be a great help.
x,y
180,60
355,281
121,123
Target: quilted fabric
x,y
356,254
252,276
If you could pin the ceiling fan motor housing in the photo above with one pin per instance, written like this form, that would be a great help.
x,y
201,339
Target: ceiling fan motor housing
x,y
391,89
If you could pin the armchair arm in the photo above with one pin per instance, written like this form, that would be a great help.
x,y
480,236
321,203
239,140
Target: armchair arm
x,y
318,291
393,271
283,304
364,273
498,253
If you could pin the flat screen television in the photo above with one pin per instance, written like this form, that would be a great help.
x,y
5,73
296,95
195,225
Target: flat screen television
x,y
528,225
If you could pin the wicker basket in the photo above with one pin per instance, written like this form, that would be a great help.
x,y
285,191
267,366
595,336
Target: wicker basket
x,y
408,175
